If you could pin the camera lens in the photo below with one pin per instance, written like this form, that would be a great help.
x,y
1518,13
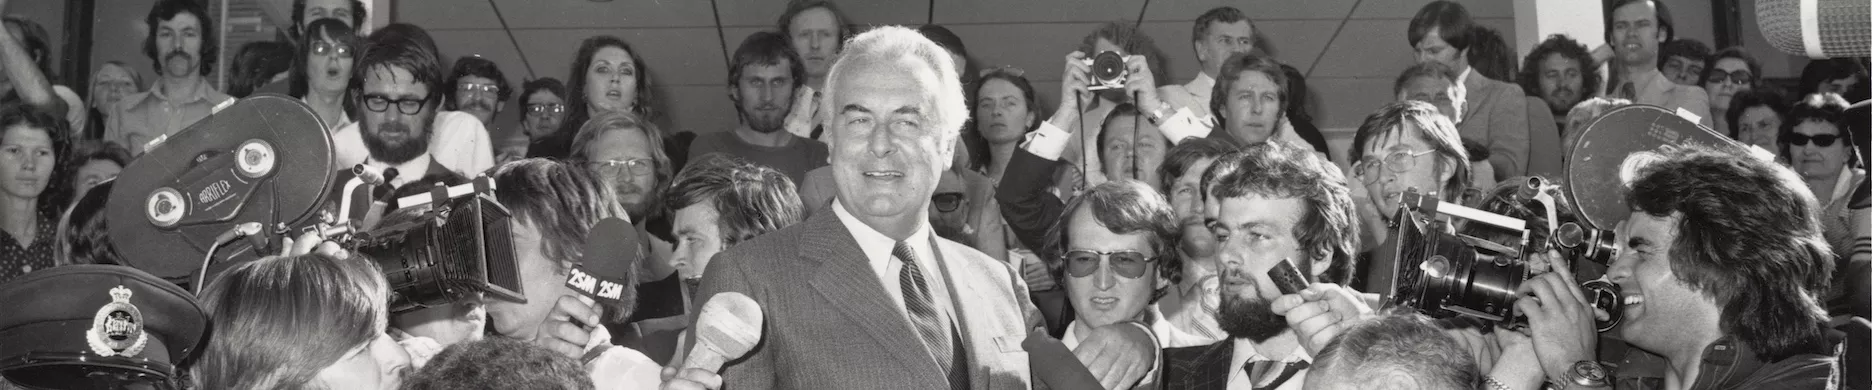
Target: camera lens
x,y
1108,66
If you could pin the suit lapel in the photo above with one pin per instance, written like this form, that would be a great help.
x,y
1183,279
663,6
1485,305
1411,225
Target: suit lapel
x,y
1212,367
1472,94
844,277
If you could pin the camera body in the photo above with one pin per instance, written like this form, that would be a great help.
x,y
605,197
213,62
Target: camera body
x,y
443,247
1108,71
1442,273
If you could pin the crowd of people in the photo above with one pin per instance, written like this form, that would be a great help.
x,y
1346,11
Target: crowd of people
x,y
907,217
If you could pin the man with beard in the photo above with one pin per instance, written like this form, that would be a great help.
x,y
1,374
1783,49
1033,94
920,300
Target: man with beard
x,y
181,43
1561,72
762,82
397,87
402,125
1266,203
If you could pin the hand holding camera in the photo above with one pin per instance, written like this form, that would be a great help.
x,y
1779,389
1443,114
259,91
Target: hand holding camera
x,y
1073,90
1560,320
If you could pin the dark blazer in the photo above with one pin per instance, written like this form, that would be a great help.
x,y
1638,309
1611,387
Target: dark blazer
x,y
830,324
1029,211
1198,367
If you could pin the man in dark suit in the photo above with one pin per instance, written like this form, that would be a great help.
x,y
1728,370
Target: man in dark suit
x,y
1266,203
1492,112
867,296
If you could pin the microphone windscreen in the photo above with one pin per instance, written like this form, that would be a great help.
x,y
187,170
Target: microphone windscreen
x,y
612,249
1817,28
728,327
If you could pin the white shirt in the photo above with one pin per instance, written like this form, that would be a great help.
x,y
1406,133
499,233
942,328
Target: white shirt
x,y
620,368
457,141
1461,97
877,248
1245,352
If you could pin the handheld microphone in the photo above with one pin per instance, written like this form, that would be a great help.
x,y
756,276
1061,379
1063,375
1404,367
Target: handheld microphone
x,y
612,249
1817,28
727,329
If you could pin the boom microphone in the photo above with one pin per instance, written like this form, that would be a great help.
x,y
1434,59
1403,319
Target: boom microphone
x,y
1817,28
729,327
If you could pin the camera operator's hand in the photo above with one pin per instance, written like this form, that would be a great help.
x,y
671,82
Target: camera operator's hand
x,y
312,242
1141,85
1035,271
1370,213
1073,81
1321,312
1518,366
568,328
1560,320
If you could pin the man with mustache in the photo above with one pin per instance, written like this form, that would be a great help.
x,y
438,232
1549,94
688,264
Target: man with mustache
x,y
1266,203
181,45
397,87
762,83
455,141
1561,72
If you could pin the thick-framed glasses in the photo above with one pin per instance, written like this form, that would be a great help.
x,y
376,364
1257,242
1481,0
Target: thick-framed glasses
x,y
624,168
1821,140
1129,264
1398,162
947,201
380,103
322,48
540,109
1739,77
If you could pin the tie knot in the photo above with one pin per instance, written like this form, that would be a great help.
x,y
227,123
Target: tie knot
x,y
903,253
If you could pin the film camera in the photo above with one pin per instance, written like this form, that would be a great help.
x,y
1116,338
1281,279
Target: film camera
x,y
232,187
1108,71
1443,273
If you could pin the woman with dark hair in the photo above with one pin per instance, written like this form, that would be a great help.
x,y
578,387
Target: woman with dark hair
x,y
32,144
83,234
1006,109
322,71
1730,72
304,321
1754,117
1815,141
607,75
258,64
92,163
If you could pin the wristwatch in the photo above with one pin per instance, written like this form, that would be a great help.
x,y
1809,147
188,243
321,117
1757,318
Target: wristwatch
x,y
1586,374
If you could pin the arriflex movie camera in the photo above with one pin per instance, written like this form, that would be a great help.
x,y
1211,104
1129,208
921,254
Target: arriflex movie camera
x,y
233,186
1445,274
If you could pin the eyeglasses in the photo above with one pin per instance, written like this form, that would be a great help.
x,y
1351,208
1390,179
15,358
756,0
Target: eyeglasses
x,y
1821,140
620,168
476,87
1129,264
1740,76
381,103
322,48
545,108
1008,69
1398,162
947,201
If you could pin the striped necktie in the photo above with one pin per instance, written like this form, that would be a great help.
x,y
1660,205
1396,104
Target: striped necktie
x,y
930,325
1269,374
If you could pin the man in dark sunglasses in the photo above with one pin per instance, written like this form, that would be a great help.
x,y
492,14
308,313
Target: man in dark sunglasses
x,y
1115,251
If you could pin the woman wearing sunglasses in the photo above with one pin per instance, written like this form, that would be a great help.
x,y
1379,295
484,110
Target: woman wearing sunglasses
x,y
1726,74
1815,141
322,70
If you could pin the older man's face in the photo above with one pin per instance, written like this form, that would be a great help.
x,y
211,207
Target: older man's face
x,y
890,149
